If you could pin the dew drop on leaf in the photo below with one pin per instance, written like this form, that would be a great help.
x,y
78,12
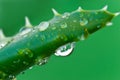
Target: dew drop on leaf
x,y
30,67
65,50
11,77
43,26
64,25
83,22
24,31
41,61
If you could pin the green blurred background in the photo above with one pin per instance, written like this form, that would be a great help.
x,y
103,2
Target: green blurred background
x,y
97,58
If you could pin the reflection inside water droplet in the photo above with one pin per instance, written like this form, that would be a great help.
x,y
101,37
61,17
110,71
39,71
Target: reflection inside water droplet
x,y
65,50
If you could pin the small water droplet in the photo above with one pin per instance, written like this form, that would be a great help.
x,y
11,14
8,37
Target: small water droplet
x,y
41,61
64,25
74,20
11,77
2,75
98,26
23,72
65,50
66,15
53,28
42,37
16,61
30,67
26,63
83,22
30,54
43,26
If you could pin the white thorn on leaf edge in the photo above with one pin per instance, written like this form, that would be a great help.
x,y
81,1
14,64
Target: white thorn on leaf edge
x,y
79,8
55,12
109,24
105,8
27,22
116,14
2,36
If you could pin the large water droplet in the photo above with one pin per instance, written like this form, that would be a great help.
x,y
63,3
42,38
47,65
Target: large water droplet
x,y
43,26
24,31
64,25
83,22
41,61
65,50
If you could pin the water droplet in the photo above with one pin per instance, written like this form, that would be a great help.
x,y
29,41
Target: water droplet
x,y
16,61
29,53
22,72
24,31
2,75
43,26
83,22
66,15
11,77
26,63
30,67
64,25
41,61
26,52
74,20
53,28
65,50
98,26
42,37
